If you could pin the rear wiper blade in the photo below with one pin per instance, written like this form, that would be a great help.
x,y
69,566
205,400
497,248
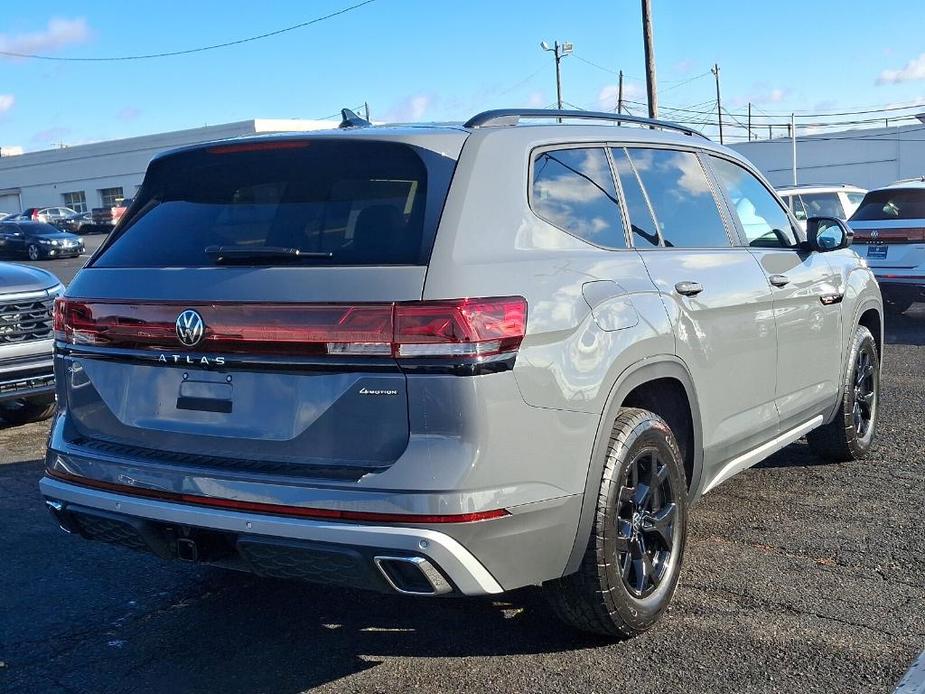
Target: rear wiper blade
x,y
232,254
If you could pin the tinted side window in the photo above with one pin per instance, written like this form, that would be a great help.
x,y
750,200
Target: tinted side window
x,y
823,205
681,198
574,190
763,220
645,233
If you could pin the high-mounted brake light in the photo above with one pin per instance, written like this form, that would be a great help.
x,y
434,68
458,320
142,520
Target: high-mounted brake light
x,y
455,328
257,146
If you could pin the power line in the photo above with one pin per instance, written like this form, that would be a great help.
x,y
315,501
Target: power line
x,y
188,51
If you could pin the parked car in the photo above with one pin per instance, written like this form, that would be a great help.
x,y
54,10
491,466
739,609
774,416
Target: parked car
x,y
26,374
102,218
812,200
48,215
453,359
37,240
4,215
78,223
889,230
119,210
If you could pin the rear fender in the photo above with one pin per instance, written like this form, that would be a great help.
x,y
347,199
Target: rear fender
x,y
666,366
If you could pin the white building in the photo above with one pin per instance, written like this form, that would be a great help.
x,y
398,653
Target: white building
x,y
97,175
868,158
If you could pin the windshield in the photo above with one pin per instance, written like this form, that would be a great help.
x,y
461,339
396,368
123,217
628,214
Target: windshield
x,y
891,204
335,202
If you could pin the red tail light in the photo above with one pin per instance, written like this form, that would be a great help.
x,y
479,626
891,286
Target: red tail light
x,y
35,215
458,328
465,327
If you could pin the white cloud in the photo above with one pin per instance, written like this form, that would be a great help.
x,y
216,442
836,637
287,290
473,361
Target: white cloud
x,y
536,99
58,34
10,150
607,96
913,70
410,109
762,94
6,102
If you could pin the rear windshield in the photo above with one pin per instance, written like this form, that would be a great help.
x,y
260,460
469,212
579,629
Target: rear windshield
x,y
335,202
891,204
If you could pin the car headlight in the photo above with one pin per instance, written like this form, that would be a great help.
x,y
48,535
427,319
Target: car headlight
x,y
80,240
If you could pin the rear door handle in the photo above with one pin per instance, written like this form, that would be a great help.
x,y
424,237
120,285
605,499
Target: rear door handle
x,y
688,288
779,280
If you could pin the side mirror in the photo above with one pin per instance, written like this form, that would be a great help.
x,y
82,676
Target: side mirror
x,y
827,234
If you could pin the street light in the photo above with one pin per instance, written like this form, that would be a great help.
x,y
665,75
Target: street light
x,y
559,51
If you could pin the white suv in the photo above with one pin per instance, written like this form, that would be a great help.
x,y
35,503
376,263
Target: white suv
x,y
890,223
821,201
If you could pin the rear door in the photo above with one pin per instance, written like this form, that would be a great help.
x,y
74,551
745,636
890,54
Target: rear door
x,y
717,297
806,292
241,317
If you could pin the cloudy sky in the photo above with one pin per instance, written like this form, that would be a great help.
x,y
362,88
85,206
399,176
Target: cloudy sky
x,y
436,60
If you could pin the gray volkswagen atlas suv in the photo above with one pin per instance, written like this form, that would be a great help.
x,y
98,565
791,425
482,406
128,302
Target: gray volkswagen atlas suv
x,y
453,359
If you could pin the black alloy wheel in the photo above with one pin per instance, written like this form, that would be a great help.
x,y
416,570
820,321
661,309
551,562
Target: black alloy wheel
x,y
646,523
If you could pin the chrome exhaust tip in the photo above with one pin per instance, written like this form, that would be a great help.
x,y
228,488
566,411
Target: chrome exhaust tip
x,y
412,575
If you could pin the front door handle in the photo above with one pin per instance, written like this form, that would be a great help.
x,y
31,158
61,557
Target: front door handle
x,y
688,288
779,280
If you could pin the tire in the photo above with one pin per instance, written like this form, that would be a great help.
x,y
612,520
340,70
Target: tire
x,y
27,410
610,593
850,435
33,252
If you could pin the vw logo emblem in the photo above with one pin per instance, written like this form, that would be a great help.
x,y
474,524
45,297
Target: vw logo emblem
x,y
190,328
874,234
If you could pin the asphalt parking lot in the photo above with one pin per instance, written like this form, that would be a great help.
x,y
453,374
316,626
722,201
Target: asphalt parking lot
x,y
799,576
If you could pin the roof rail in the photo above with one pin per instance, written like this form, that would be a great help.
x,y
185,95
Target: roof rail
x,y
511,116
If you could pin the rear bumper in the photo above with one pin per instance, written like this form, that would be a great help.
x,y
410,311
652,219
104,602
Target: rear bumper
x,y
341,553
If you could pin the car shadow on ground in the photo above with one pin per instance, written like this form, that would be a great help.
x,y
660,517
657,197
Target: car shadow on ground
x,y
906,328
273,635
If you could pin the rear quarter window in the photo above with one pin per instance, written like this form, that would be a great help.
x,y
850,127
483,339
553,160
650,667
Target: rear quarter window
x,y
574,190
337,202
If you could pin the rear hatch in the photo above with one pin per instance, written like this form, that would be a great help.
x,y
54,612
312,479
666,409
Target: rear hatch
x,y
889,229
242,315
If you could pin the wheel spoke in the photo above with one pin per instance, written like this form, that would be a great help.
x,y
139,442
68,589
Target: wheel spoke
x,y
660,525
626,493
641,569
627,565
866,399
624,535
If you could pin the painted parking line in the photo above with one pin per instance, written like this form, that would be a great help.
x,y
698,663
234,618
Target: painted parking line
x,y
913,682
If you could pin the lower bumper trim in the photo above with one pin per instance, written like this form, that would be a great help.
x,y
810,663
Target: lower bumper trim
x,y
462,569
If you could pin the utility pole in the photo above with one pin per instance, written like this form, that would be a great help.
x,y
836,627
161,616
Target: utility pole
x,y
793,138
620,94
719,104
366,108
651,91
559,51
749,121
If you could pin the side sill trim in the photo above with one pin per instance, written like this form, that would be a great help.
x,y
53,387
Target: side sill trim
x,y
758,454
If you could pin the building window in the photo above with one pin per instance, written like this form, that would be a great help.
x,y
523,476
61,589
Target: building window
x,y
110,197
76,201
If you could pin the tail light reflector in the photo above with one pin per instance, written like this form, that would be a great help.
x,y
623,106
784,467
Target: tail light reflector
x,y
457,328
